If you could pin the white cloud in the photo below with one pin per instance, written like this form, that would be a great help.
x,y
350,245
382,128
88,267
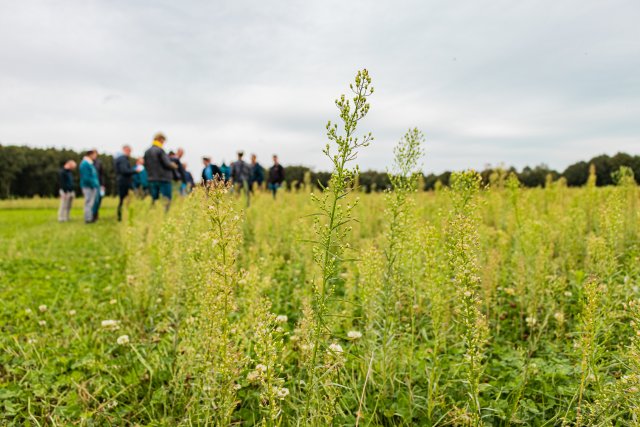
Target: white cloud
x,y
487,82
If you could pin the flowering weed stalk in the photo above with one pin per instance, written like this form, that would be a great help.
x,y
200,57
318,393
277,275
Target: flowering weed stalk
x,y
462,250
331,226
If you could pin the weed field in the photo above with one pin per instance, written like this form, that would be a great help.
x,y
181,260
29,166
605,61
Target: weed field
x,y
499,306
476,304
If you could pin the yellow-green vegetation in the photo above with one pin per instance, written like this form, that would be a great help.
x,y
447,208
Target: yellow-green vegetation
x,y
470,305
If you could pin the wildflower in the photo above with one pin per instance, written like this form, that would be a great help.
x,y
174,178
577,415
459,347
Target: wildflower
x,y
113,301
111,324
531,321
237,386
123,339
559,316
42,322
42,308
27,311
335,348
294,338
253,376
509,291
282,318
354,335
72,312
467,294
32,341
568,294
261,367
281,392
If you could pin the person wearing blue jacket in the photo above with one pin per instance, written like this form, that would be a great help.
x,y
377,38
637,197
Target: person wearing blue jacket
x,y
89,183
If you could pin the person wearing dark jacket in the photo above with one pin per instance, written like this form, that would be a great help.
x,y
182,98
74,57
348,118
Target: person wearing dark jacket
x,y
159,170
257,173
210,171
276,176
124,176
67,190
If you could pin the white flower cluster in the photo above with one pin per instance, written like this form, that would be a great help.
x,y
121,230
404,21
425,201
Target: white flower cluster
x,y
354,335
111,324
123,340
257,373
43,308
281,392
282,318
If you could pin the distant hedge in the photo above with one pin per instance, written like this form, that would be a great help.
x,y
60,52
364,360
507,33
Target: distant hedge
x,y
28,172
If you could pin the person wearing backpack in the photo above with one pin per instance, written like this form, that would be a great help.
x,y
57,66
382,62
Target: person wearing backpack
x,y
241,176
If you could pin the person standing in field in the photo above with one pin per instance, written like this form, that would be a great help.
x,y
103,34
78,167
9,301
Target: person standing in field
x,y
124,176
67,190
140,180
276,176
101,192
210,171
89,183
257,173
188,178
241,176
225,172
159,170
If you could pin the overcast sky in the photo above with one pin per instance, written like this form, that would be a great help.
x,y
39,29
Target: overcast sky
x,y
488,82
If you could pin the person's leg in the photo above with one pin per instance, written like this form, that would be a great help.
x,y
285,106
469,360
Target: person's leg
x,y
123,191
96,204
70,196
154,190
62,206
89,200
247,191
166,190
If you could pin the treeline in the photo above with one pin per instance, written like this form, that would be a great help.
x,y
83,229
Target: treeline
x,y
28,172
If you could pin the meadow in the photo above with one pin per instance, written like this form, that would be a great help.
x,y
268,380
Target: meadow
x,y
470,305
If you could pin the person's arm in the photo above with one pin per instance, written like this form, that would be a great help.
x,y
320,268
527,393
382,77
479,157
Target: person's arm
x,y
166,162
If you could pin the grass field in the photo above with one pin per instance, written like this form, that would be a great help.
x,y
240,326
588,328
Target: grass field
x,y
512,308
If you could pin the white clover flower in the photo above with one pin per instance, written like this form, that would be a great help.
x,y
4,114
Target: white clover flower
x,y
467,294
281,392
27,311
354,335
260,367
42,308
282,318
237,387
123,340
32,341
531,321
559,316
253,376
42,322
568,294
72,312
294,338
111,324
113,301
335,348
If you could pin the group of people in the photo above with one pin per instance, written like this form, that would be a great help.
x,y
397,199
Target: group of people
x,y
156,174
